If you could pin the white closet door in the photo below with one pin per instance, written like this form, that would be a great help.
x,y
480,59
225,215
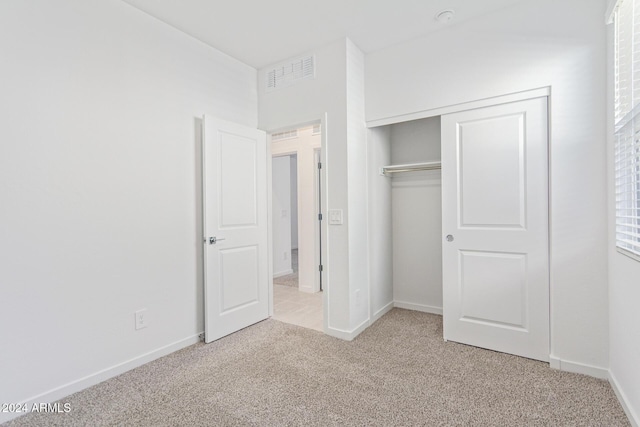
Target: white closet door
x,y
495,228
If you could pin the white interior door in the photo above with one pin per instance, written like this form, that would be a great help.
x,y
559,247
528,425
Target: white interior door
x,y
495,227
235,227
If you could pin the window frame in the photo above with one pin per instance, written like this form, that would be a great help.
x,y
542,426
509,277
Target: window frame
x,y
626,158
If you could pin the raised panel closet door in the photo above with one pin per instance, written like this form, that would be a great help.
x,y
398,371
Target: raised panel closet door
x,y
495,228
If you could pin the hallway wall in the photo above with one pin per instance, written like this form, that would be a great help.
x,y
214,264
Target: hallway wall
x,y
281,219
303,147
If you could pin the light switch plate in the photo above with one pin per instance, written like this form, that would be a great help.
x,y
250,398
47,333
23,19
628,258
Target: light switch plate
x,y
335,216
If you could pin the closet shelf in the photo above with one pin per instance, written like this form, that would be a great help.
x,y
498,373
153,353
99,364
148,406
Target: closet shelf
x,y
410,167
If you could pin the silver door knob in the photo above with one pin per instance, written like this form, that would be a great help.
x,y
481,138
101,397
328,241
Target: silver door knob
x,y
213,240
449,238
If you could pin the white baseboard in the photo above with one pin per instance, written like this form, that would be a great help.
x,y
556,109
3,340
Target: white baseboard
x,y
378,314
634,419
100,376
348,335
418,307
282,273
578,368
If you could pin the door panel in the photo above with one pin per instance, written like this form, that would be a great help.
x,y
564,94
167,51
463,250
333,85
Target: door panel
x,y
495,208
238,180
235,213
239,267
492,175
490,298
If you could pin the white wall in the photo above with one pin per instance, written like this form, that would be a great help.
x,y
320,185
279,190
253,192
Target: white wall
x,y
416,200
337,91
294,201
281,222
357,181
380,237
306,102
525,46
624,344
624,288
100,183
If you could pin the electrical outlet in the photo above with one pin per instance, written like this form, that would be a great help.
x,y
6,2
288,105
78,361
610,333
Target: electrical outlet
x,y
356,297
142,320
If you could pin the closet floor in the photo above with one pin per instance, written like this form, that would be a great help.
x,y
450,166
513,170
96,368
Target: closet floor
x,y
297,308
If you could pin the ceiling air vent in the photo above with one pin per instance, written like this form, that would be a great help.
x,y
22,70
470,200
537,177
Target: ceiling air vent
x,y
291,72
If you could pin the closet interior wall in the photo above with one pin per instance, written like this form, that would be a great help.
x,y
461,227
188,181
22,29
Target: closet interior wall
x,y
406,218
380,225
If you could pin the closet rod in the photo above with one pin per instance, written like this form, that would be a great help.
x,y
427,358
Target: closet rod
x,y
411,167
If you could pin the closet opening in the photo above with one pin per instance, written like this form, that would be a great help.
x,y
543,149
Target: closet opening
x,y
296,205
406,222
459,223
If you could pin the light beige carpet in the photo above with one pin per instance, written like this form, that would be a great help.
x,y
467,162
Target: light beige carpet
x,y
399,372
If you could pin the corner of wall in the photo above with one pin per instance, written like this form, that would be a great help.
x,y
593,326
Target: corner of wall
x,y
633,417
578,368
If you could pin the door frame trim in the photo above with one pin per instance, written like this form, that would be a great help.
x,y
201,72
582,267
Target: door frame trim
x,y
471,105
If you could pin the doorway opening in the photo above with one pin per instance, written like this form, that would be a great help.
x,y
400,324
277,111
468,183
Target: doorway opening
x,y
296,204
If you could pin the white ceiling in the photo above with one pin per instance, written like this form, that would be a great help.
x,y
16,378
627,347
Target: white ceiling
x,y
259,32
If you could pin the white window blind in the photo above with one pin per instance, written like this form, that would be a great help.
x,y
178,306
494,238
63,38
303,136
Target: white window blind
x,y
627,129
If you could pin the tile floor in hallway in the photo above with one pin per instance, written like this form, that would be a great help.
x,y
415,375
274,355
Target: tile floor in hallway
x,y
298,308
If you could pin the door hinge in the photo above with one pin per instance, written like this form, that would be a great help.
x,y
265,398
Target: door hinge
x,y
320,268
320,217
319,165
